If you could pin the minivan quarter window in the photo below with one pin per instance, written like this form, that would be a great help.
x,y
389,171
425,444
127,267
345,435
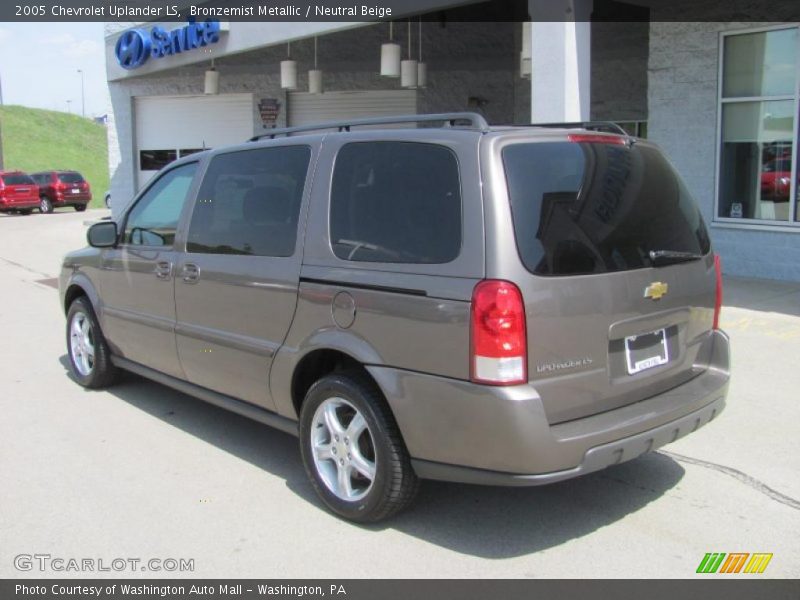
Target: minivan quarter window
x,y
249,202
154,218
396,202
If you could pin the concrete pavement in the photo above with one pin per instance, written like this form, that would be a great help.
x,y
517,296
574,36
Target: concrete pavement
x,y
141,471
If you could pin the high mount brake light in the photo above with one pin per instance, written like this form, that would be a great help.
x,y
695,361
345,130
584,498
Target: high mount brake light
x,y
597,139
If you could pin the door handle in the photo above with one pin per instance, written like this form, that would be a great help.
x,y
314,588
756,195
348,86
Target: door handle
x,y
163,269
190,273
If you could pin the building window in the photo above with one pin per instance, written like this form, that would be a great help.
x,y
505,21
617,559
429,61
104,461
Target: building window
x,y
758,127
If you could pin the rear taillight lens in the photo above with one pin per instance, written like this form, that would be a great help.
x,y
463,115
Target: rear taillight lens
x,y
718,299
597,139
498,337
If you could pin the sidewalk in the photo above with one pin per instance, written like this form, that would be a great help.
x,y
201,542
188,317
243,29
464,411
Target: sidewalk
x,y
763,295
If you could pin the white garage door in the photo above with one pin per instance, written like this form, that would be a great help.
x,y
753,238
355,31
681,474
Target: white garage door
x,y
168,127
308,109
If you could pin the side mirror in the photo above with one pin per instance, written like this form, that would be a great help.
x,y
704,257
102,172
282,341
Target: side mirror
x,y
102,235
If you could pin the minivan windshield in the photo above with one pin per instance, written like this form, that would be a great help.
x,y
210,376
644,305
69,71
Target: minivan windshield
x,y
588,207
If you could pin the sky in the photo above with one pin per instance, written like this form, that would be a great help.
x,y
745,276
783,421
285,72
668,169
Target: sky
x,y
39,65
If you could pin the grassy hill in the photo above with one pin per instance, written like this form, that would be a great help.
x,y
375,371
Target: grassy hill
x,y
39,140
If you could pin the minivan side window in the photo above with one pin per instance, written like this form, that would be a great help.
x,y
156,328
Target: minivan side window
x,y
154,218
396,202
249,202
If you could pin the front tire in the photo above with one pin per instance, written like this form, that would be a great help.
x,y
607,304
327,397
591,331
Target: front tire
x,y
45,205
89,356
352,449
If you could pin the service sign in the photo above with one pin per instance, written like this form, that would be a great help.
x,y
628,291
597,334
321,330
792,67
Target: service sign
x,y
135,46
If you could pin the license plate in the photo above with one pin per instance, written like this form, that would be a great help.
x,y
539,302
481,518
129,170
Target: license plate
x,y
76,191
646,351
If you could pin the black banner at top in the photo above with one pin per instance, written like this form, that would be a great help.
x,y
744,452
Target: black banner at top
x,y
386,10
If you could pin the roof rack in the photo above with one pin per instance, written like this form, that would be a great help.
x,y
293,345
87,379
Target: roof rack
x,y
608,126
476,122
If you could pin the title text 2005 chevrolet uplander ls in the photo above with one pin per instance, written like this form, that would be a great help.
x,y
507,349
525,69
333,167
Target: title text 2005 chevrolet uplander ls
x,y
495,305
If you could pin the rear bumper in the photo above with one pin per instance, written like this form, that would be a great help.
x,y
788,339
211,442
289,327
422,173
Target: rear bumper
x,y
67,200
459,431
19,205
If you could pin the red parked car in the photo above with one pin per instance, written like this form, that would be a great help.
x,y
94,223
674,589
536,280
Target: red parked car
x,y
18,192
776,179
62,188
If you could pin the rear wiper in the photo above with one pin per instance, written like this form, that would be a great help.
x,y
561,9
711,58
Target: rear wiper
x,y
672,256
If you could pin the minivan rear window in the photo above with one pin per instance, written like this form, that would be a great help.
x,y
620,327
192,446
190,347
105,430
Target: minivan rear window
x,y
19,179
581,208
71,177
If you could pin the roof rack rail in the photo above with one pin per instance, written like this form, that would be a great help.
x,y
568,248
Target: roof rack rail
x,y
608,126
476,122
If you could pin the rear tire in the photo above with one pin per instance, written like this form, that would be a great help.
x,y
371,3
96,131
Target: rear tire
x,y
45,205
352,449
80,207
89,356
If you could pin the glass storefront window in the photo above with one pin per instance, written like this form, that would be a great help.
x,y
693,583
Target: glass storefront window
x,y
760,64
756,160
759,107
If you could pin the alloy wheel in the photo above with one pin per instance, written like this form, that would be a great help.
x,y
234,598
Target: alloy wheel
x,y
81,339
343,449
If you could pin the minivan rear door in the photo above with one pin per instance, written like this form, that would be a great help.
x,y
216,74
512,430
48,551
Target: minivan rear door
x,y
617,278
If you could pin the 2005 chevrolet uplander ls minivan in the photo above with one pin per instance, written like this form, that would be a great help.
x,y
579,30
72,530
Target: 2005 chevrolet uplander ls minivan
x,y
492,305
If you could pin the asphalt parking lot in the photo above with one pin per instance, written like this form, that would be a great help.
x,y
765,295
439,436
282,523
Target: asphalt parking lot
x,y
141,471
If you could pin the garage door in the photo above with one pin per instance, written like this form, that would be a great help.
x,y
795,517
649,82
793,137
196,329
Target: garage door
x,y
308,109
168,127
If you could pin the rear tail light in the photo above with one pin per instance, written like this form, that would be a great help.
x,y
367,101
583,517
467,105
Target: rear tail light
x,y
597,139
498,337
718,299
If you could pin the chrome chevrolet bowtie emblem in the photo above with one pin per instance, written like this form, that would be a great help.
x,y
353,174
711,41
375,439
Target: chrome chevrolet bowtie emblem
x,y
656,290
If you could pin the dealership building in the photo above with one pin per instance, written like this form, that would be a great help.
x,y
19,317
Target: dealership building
x,y
719,92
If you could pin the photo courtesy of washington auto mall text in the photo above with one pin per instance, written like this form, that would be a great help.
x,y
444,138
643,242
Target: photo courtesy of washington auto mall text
x,y
399,299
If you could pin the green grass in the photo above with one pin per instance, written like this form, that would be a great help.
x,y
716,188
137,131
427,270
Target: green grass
x,y
41,140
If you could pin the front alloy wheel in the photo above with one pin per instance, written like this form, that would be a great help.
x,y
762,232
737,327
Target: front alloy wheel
x,y
81,343
89,355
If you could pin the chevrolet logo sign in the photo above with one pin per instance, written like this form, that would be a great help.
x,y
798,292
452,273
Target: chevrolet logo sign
x,y
656,290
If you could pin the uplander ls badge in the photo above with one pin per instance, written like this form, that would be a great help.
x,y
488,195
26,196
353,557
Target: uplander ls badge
x,y
560,365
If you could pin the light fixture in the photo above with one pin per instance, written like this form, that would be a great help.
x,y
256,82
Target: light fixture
x,y
289,70
422,68
525,54
408,68
315,75
390,56
211,86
